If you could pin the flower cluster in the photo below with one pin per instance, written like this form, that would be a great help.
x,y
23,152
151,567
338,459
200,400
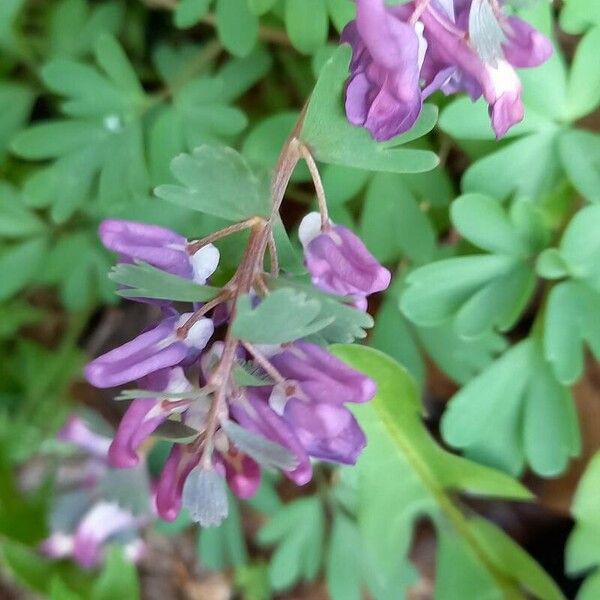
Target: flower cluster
x,y
295,407
84,518
402,54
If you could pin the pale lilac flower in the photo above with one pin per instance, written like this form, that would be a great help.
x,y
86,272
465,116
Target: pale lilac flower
x,y
256,415
322,377
156,349
159,247
104,521
402,54
144,415
76,431
339,262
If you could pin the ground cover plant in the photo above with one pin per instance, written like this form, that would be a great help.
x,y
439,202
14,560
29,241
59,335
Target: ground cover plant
x,y
299,299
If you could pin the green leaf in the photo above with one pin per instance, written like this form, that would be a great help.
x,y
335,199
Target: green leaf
x,y
424,474
263,144
118,579
16,220
16,101
222,547
584,80
145,281
345,322
333,140
577,15
341,12
466,120
189,12
532,162
19,265
571,319
484,222
344,565
237,26
75,26
515,412
307,24
582,552
579,154
297,529
260,7
219,182
392,222
580,246
284,315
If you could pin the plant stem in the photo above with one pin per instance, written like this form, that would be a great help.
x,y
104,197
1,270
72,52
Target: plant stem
x,y
193,247
318,183
263,362
245,275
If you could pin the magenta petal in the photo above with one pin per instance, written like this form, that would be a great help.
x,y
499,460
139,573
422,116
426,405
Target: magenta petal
x,y
525,46
327,432
134,428
242,474
270,425
340,263
158,246
169,489
322,376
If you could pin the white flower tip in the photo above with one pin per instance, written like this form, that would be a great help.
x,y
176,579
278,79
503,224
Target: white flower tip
x,y
310,228
204,263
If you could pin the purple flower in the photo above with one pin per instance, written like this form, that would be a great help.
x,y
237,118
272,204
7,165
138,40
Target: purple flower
x,y
326,431
383,92
322,377
257,416
104,521
339,262
144,415
242,473
169,489
159,247
75,431
402,54
156,349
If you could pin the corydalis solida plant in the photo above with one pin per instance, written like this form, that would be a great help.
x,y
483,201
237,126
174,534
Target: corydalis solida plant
x,y
294,407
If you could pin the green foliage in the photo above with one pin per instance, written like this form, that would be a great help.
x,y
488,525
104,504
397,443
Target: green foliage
x,y
582,549
145,281
282,316
473,554
219,182
571,314
297,530
515,412
479,292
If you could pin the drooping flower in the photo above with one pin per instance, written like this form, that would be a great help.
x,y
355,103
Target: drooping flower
x,y
156,349
409,51
144,415
159,247
339,262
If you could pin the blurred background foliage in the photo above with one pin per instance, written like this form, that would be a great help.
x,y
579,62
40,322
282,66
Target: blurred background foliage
x,y
493,311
